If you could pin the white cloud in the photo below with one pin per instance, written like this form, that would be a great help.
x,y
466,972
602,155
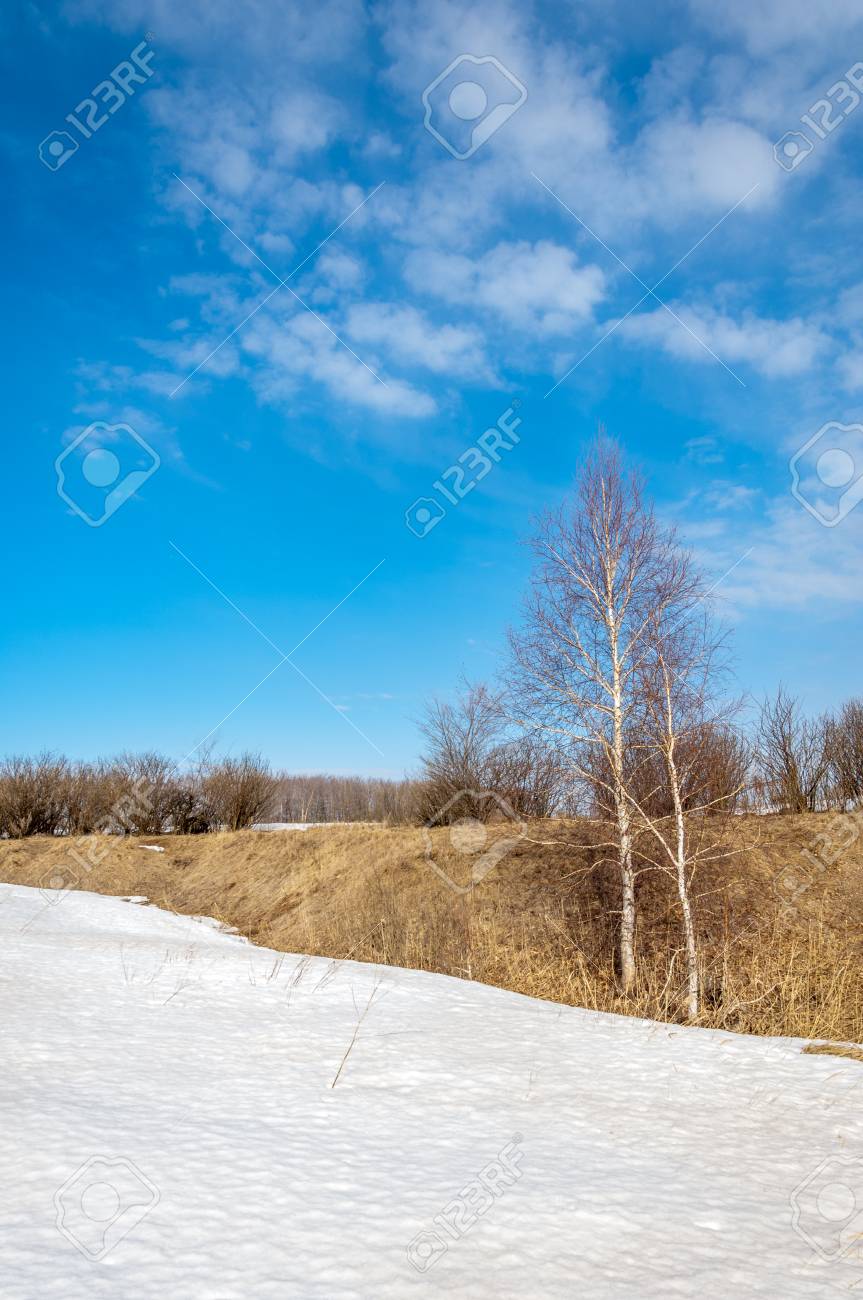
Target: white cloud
x,y
709,165
223,298
771,25
795,562
408,336
538,286
381,145
770,553
336,272
848,307
225,31
264,110
687,157
115,411
304,121
774,348
703,451
726,495
851,370
296,349
217,140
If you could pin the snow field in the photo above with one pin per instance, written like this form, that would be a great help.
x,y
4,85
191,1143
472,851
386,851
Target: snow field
x,y
188,1115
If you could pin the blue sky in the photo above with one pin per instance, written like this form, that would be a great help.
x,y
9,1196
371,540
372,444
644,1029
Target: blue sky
x,y
289,307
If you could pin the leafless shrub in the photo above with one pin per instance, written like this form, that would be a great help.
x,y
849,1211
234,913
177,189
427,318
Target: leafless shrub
x,y
714,762
845,755
33,795
91,790
527,774
472,749
189,809
146,790
457,763
240,791
793,755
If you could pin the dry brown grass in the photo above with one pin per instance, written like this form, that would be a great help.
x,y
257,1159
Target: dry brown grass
x,y
537,924
834,1049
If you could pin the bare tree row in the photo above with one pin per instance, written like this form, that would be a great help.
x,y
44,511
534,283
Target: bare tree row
x,y
139,794
323,798
145,794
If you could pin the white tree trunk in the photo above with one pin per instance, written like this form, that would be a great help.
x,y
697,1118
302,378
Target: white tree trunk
x,y
627,914
627,876
693,981
693,988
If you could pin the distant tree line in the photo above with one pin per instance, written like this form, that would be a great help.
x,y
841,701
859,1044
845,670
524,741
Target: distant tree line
x,y
146,794
323,798
137,794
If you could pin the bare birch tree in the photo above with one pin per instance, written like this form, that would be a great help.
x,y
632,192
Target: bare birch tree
x,y
685,816
605,570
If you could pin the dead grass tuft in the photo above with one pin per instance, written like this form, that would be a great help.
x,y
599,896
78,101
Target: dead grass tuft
x,y
834,1049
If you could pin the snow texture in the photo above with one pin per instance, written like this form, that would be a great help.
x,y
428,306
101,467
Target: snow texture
x,y
171,1129
287,826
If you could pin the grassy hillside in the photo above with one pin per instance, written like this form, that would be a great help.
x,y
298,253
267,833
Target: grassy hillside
x,y
782,936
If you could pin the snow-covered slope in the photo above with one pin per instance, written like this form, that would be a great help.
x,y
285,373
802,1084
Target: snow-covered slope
x,y
170,1128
